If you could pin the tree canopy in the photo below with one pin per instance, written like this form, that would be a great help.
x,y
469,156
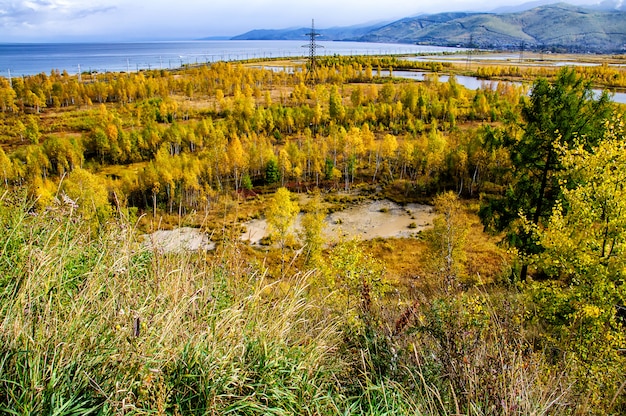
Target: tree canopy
x,y
560,114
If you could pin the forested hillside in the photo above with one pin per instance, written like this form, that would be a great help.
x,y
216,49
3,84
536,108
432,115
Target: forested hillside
x,y
510,302
558,27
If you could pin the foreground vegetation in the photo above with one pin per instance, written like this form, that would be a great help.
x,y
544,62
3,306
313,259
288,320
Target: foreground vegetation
x,y
102,325
526,318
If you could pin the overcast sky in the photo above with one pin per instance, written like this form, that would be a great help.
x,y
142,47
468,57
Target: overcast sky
x,y
127,20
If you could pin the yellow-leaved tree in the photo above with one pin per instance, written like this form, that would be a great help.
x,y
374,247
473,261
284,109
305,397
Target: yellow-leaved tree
x,y
281,214
447,241
89,193
583,251
312,228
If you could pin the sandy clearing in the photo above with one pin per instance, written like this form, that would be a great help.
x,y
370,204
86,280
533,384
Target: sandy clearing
x,y
178,239
366,220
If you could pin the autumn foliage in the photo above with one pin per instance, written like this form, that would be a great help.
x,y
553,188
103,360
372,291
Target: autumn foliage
x,y
526,320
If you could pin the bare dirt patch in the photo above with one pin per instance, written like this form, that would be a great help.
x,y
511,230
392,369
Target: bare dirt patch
x,y
179,239
380,219
366,220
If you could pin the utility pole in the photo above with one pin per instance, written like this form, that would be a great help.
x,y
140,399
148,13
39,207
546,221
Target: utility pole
x,y
470,49
312,51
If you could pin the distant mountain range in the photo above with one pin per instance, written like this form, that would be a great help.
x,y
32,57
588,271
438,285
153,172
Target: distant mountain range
x,y
562,27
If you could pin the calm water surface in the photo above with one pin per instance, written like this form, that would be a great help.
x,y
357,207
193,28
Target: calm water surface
x,y
29,59
474,83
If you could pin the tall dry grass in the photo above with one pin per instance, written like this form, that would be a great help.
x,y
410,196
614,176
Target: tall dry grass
x,y
94,323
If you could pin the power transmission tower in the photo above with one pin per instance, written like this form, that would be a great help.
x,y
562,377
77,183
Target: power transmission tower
x,y
470,49
310,75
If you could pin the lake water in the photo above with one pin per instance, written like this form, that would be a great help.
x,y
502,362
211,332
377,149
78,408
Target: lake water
x,y
29,59
471,83
474,83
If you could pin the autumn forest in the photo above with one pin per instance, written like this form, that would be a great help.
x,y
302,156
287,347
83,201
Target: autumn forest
x,y
512,301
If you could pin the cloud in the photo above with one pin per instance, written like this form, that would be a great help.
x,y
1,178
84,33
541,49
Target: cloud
x,y
80,14
128,20
49,20
34,12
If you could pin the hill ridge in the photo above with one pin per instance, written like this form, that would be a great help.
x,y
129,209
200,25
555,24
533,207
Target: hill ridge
x,y
560,27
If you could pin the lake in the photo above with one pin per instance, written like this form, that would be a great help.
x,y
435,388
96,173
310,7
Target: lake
x,y
30,59
474,83
34,58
